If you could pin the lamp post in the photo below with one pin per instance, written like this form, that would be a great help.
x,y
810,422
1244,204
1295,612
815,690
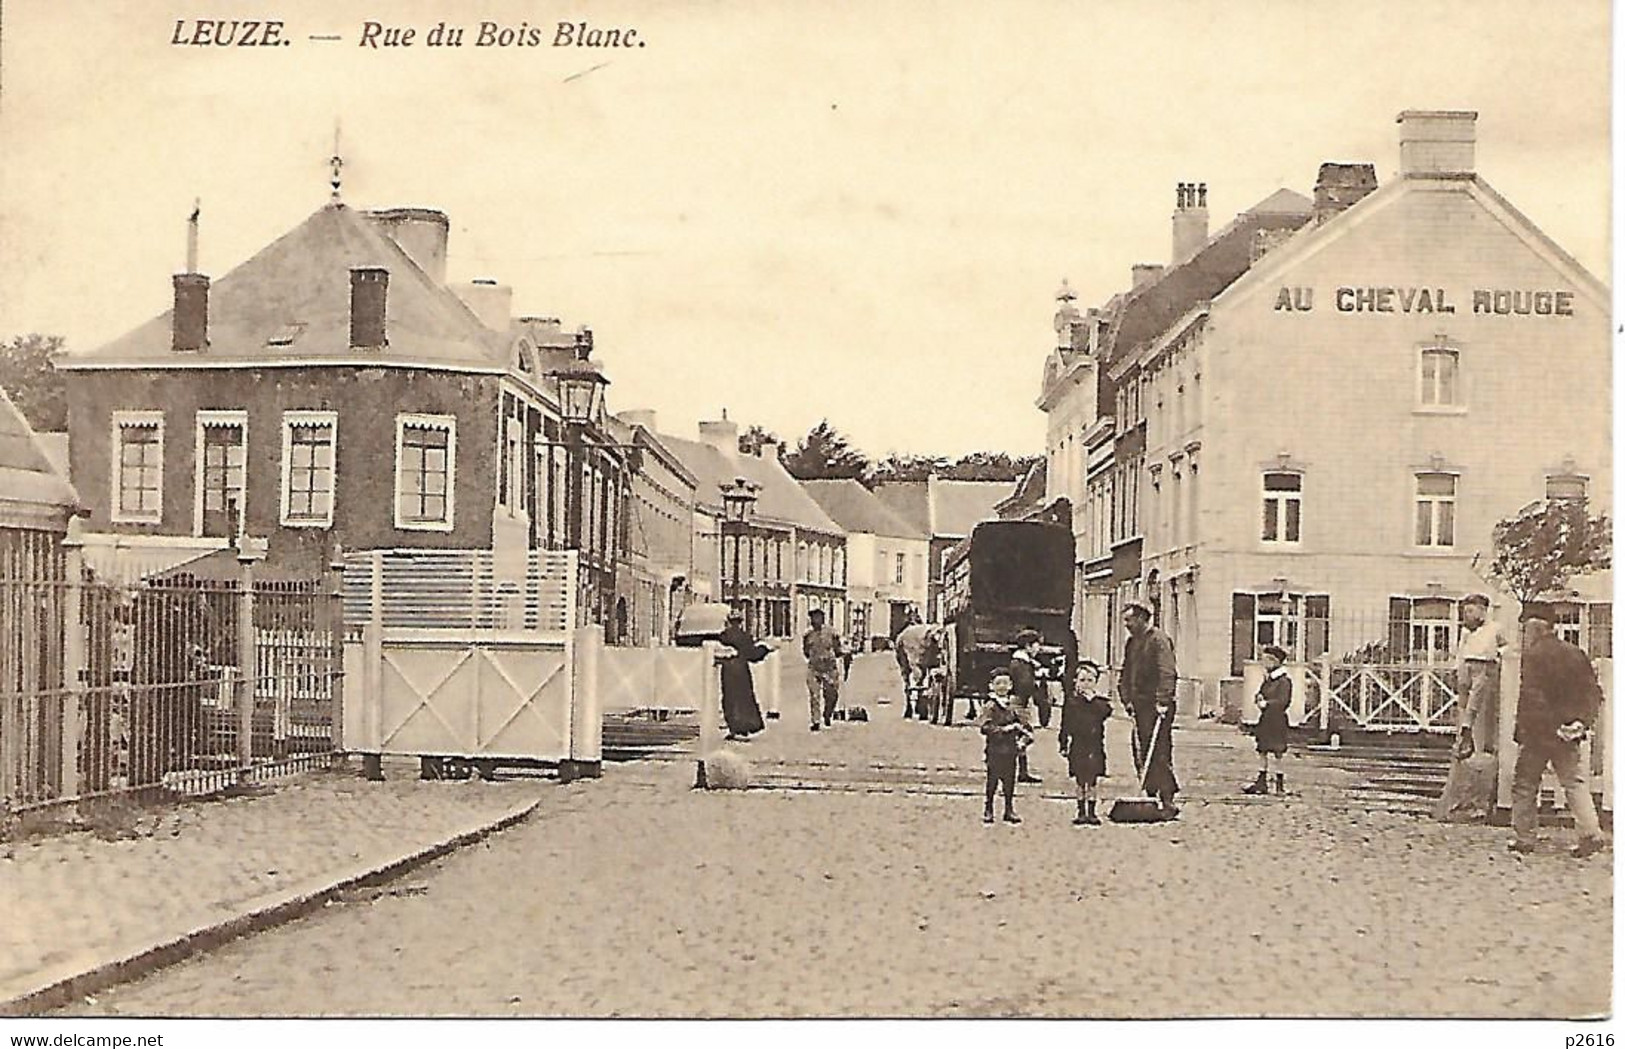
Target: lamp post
x,y
738,501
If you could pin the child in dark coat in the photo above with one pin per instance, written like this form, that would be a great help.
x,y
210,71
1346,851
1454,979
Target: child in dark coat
x,y
1007,735
1274,699
1083,738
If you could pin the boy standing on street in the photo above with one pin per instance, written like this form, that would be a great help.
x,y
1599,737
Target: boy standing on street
x,y
1007,736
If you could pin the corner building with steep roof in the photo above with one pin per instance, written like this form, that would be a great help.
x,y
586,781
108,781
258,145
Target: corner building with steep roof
x,y
1322,446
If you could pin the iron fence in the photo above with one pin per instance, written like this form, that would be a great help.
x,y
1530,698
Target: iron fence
x,y
177,683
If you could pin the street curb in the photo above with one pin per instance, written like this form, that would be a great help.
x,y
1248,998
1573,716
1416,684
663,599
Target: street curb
x,y
294,904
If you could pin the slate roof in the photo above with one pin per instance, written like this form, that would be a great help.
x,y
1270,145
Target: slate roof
x,y
856,509
1028,493
781,499
1150,311
299,286
944,509
958,506
909,500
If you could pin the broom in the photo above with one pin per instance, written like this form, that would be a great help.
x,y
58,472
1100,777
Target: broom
x,y
1144,808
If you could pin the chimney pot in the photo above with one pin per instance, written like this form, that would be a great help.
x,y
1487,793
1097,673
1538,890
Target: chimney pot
x,y
491,302
421,233
1190,222
1437,142
369,297
1340,186
190,325
722,434
1144,273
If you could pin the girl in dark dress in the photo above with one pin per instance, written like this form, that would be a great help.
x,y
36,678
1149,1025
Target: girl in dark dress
x,y
1274,700
1083,738
739,707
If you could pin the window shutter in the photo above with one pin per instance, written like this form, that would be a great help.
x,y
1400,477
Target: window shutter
x,y
1241,631
1317,627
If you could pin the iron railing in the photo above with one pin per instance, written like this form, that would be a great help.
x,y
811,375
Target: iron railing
x,y
173,683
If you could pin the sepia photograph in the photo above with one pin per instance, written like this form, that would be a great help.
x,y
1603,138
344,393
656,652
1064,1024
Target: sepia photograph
x,y
1064,510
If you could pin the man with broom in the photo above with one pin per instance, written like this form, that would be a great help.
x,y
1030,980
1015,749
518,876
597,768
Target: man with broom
x,y
1146,687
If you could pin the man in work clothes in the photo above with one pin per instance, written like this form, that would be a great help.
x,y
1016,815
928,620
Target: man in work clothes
x,y
1558,696
1469,791
1146,687
822,647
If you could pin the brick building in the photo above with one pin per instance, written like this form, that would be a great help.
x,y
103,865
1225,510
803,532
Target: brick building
x,y
1318,446
335,388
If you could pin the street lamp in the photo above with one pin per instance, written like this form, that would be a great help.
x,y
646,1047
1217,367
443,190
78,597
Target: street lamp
x,y
738,501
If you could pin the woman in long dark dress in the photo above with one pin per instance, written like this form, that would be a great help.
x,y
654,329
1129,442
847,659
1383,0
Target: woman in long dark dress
x,y
739,707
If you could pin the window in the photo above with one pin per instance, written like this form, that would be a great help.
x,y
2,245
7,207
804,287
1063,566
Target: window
x,y
309,468
1567,622
221,454
1283,508
1176,512
511,491
138,466
1566,486
1436,510
1423,629
1439,377
425,471
898,575
1299,623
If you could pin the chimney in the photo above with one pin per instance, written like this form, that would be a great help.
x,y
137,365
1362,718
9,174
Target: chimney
x,y
723,435
1339,186
369,295
190,327
1190,221
491,302
1143,273
421,233
1436,143
769,450
644,417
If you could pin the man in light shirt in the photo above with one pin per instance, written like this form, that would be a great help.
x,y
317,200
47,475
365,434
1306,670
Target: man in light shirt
x,y
1482,644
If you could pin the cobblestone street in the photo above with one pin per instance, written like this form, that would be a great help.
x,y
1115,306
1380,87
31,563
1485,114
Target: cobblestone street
x,y
861,882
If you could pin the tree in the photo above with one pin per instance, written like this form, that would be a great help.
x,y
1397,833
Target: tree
x,y
991,466
1541,547
825,453
897,467
32,383
751,441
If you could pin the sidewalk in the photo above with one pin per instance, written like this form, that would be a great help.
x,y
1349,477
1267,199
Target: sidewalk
x,y
88,909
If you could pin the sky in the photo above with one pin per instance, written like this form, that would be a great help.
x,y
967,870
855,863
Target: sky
x,y
791,211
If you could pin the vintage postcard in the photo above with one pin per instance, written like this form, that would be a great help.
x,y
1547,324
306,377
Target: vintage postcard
x,y
1064,509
